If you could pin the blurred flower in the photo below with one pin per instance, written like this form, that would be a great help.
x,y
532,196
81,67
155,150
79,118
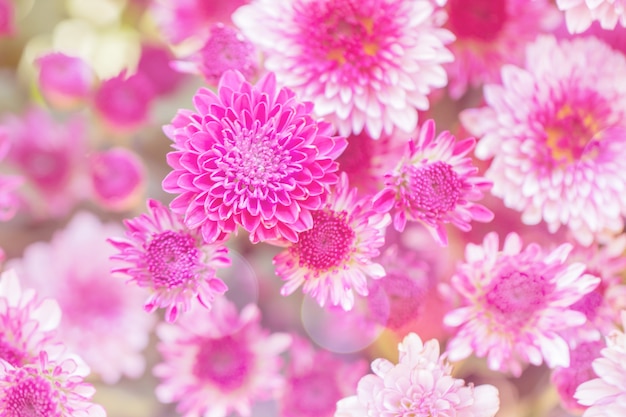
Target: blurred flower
x,y
65,81
579,14
252,156
9,184
435,184
334,257
420,384
118,178
489,34
365,64
47,388
606,395
219,361
103,321
123,103
567,379
154,66
316,380
49,154
555,130
27,322
515,303
179,20
225,49
172,262
7,18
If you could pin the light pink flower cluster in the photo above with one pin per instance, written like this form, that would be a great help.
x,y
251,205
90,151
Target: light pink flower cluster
x,y
103,321
37,376
366,64
9,200
421,384
250,156
171,261
333,259
606,394
555,130
219,361
579,14
515,304
435,184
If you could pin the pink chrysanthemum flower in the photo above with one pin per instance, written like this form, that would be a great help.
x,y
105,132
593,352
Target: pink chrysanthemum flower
x,y
179,20
435,184
334,257
225,49
47,388
118,178
251,155
171,261
219,361
366,64
27,322
50,156
567,379
103,320
489,34
316,380
555,130
123,102
65,81
420,384
579,14
606,394
515,304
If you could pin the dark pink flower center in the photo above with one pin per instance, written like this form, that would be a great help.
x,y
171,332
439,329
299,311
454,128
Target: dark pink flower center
x,y
435,189
31,397
518,295
10,353
226,362
315,394
328,243
476,19
172,259
226,49
590,302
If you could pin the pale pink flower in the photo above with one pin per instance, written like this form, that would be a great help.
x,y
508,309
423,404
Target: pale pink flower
x,y
420,384
316,380
7,18
435,184
366,64
224,49
49,155
250,155
489,34
606,394
219,361
65,81
579,14
333,259
515,303
103,320
601,306
555,130
123,102
9,184
47,388
179,20
171,261
28,322
567,379
118,178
